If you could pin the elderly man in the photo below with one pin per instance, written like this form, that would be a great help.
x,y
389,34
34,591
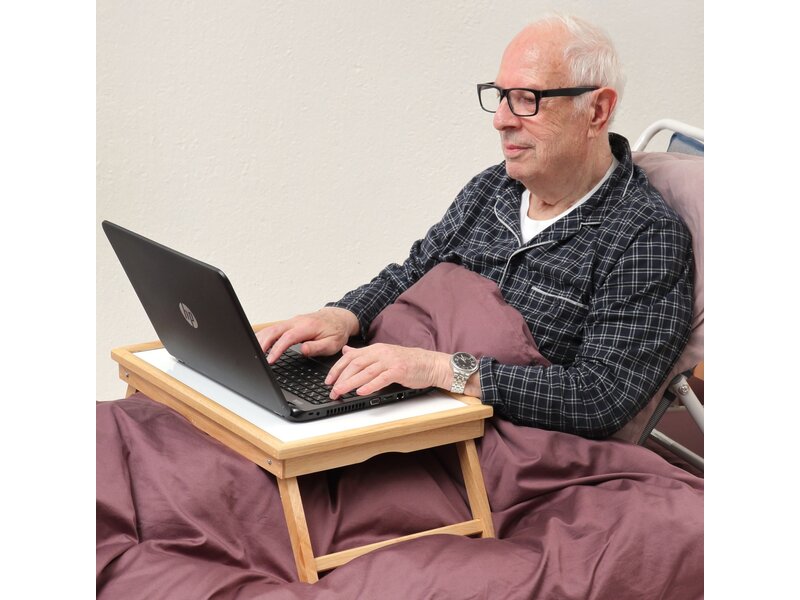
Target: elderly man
x,y
572,234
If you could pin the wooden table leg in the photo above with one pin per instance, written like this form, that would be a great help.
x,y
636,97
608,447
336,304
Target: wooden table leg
x,y
298,529
476,490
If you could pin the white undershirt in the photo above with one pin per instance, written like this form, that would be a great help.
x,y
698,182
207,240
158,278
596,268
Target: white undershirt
x,y
532,227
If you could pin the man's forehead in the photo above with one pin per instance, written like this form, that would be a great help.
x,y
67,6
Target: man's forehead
x,y
532,62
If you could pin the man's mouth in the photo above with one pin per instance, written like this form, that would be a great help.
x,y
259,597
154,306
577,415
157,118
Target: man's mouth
x,y
513,150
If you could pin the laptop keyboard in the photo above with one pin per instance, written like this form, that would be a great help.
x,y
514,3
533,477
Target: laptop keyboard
x,y
304,378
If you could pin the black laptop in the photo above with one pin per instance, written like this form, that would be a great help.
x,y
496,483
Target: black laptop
x,y
198,318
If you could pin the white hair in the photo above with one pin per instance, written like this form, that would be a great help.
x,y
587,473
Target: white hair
x,y
590,56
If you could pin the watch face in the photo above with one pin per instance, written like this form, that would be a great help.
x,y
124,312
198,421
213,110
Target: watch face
x,y
464,361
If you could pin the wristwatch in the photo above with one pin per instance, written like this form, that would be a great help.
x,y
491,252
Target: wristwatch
x,y
463,365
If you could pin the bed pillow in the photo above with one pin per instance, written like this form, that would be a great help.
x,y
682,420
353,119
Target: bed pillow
x,y
452,309
680,180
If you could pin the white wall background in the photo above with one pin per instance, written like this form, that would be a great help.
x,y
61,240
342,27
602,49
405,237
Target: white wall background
x,y
300,146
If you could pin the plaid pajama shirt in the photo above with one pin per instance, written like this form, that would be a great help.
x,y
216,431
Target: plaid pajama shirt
x,y
606,292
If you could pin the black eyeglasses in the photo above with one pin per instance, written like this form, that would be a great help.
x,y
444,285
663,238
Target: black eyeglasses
x,y
523,102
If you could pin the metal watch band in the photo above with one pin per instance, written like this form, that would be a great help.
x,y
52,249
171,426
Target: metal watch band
x,y
459,382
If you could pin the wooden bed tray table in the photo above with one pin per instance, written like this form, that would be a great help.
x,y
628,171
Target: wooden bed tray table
x,y
287,460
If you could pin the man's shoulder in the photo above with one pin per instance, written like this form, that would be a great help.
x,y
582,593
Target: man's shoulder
x,y
632,201
642,205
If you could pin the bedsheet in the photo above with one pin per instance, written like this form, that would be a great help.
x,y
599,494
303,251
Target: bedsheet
x,y
181,516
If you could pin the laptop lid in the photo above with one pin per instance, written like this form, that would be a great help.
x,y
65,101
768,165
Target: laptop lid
x,y
197,316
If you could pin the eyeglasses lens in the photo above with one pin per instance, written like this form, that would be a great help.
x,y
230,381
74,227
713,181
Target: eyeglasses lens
x,y
523,103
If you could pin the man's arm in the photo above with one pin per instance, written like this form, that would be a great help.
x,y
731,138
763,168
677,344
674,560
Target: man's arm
x,y
638,324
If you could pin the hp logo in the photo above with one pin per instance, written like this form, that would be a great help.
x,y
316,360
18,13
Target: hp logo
x,y
188,315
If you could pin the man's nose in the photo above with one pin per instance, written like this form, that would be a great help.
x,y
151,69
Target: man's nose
x,y
504,118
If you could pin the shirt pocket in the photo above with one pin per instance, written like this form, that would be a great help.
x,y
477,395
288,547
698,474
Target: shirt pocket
x,y
558,319
557,297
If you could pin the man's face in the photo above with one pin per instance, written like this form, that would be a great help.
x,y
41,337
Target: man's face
x,y
542,149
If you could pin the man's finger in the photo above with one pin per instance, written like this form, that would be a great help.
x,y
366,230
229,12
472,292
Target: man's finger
x,y
324,347
339,365
355,379
290,337
379,382
267,336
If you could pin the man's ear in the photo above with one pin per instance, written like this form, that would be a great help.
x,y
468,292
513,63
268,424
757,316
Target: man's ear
x,y
602,107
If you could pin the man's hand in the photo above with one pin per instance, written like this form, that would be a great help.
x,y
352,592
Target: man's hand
x,y
373,367
322,333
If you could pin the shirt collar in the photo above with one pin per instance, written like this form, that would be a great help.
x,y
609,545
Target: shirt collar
x,y
591,212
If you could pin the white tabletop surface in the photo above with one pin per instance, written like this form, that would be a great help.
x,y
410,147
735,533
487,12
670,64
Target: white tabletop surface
x,y
287,431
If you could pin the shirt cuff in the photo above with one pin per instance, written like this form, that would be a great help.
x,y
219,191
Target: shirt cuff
x,y
489,391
